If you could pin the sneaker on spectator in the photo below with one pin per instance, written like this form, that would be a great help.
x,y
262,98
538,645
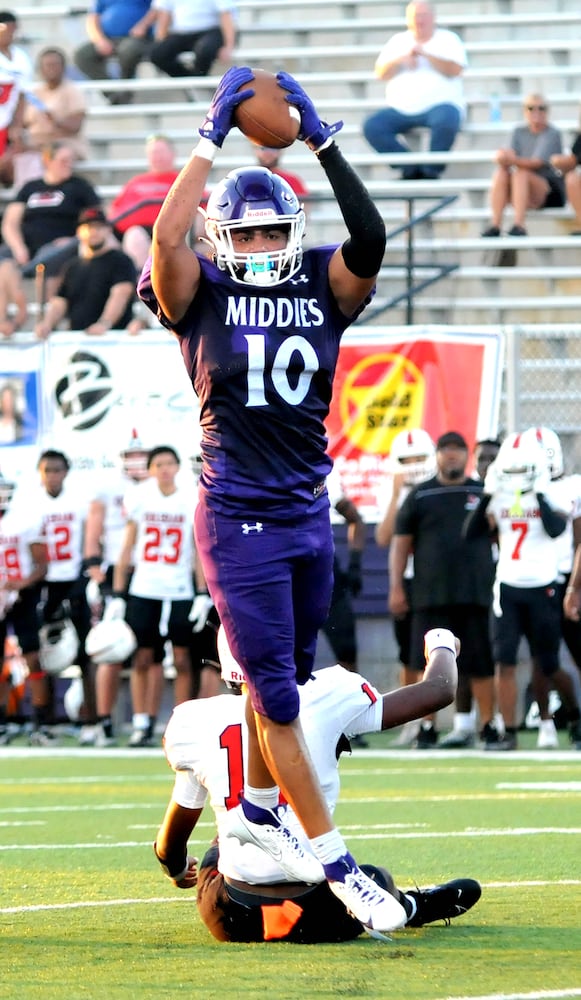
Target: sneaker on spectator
x,y
444,902
6,736
458,739
42,737
373,906
408,734
427,736
102,740
278,842
87,736
548,738
140,738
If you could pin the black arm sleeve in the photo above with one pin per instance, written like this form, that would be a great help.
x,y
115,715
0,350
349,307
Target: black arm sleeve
x,y
554,522
363,251
476,522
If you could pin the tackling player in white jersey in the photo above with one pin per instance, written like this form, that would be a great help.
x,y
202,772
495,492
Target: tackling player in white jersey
x,y
519,504
23,561
243,895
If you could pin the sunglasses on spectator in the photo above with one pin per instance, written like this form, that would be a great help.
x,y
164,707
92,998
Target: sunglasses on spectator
x,y
536,107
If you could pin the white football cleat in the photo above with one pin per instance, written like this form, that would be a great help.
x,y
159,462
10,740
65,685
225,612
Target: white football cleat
x,y
279,843
373,906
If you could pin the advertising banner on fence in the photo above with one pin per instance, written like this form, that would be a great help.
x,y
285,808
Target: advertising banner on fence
x,y
85,396
389,380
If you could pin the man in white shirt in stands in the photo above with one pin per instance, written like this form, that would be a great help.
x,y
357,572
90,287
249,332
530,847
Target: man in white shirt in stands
x,y
204,29
423,67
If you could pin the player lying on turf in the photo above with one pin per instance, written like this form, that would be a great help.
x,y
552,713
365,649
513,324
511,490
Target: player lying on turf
x,y
242,894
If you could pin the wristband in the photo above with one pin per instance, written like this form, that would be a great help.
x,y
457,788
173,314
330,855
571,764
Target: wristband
x,y
170,868
205,149
90,561
439,638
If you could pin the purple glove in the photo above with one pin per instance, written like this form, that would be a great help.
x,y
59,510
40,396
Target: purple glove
x,y
313,131
218,120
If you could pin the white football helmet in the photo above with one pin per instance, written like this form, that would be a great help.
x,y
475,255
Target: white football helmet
x,y
249,198
519,461
232,674
59,645
110,641
134,458
413,453
551,445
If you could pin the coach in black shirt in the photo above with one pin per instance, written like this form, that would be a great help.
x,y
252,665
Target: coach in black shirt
x,y
453,577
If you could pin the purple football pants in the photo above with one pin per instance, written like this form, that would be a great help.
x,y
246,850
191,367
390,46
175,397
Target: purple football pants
x,y
271,584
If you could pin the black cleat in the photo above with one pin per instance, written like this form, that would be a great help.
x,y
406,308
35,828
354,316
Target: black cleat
x,y
444,902
427,737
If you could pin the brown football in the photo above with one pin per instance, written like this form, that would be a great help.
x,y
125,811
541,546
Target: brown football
x,y
267,119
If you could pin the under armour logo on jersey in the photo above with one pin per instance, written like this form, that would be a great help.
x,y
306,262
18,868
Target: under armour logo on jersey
x,y
301,280
247,528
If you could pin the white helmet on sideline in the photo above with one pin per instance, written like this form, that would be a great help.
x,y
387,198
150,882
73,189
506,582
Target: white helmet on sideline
x,y
110,641
232,674
73,699
59,645
414,453
551,445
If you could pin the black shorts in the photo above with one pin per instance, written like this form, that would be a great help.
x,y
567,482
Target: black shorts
x,y
315,916
532,612
402,629
144,617
24,619
470,622
203,645
73,592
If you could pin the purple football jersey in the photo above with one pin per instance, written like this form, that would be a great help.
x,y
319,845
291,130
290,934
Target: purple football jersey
x,y
262,362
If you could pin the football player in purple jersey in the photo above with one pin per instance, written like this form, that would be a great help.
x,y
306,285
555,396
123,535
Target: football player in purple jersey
x,y
259,323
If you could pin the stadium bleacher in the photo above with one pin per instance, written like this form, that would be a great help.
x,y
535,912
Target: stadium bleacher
x,y
513,47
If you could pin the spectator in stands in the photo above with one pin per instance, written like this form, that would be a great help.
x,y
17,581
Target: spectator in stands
x,y
16,74
56,108
423,68
567,164
39,226
524,176
119,29
453,577
205,29
98,286
132,219
270,158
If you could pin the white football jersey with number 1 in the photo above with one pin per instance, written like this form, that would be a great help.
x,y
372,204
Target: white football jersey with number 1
x,y
206,744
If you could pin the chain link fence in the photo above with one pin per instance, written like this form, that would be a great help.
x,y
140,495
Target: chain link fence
x,y
542,384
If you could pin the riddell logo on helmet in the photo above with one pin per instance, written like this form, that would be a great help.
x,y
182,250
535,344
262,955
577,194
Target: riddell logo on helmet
x,y
260,213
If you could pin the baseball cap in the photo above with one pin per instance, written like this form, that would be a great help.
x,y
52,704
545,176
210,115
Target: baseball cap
x,y
95,214
451,438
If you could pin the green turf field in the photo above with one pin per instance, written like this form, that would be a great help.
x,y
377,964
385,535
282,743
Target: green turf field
x,y
85,910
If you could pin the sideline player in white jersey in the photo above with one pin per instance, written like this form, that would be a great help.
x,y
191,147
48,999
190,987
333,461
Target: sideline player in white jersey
x,y
412,459
518,503
63,507
104,534
23,561
243,895
567,490
159,544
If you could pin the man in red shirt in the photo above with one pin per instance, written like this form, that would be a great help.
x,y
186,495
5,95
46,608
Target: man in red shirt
x,y
132,219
